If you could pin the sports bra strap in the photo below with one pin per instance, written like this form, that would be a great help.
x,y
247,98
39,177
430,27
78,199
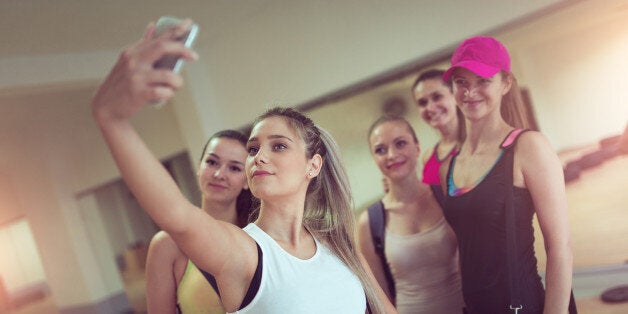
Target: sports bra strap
x,y
512,137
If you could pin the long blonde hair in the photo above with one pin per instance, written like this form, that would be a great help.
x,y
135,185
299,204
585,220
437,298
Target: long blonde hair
x,y
328,206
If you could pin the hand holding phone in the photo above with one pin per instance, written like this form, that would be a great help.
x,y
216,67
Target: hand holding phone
x,y
174,62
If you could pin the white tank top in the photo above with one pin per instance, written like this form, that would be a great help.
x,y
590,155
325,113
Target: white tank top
x,y
320,284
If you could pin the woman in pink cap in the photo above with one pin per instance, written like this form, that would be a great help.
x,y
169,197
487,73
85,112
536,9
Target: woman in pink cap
x,y
496,157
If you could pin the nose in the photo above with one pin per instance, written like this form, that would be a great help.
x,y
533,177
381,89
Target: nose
x,y
392,152
470,90
219,173
431,105
260,157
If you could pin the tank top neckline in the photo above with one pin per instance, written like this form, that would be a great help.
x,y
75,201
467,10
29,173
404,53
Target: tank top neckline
x,y
433,227
452,151
453,190
283,251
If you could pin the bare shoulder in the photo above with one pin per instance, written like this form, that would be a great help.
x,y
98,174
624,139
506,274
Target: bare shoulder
x,y
363,220
162,245
532,145
535,159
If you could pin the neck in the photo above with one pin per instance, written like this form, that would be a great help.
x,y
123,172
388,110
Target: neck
x,y
484,132
449,133
283,219
222,211
405,189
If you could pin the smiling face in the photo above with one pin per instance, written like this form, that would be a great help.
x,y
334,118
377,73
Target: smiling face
x,y
394,150
477,96
436,103
221,173
277,165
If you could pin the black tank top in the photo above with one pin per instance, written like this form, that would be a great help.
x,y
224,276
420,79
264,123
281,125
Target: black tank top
x,y
477,218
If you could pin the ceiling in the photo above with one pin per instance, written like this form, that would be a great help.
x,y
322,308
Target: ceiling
x,y
63,26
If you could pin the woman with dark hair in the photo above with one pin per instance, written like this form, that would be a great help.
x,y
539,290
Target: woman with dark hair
x,y
173,282
437,107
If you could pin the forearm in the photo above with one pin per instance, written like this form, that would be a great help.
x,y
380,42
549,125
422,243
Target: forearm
x,y
558,279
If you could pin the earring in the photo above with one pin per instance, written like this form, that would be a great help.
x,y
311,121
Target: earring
x,y
311,174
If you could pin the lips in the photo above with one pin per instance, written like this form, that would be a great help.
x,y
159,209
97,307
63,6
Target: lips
x,y
472,103
395,165
260,173
217,186
435,116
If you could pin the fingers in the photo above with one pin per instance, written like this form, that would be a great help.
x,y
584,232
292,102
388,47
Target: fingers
x,y
133,80
150,31
161,85
164,78
177,31
156,49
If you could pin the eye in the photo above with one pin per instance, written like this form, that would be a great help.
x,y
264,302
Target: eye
x,y
401,143
460,81
485,80
422,102
211,162
379,150
235,169
437,97
252,150
279,146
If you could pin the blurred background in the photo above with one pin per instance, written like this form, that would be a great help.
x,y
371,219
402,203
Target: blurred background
x,y
73,239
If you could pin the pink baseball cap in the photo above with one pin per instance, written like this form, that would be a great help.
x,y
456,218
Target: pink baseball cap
x,y
482,55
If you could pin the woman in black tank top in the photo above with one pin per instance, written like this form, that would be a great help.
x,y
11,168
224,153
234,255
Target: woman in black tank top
x,y
475,184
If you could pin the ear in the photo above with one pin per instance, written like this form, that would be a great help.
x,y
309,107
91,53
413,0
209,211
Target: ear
x,y
507,79
314,166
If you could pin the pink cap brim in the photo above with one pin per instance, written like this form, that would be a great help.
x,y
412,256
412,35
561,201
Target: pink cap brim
x,y
478,68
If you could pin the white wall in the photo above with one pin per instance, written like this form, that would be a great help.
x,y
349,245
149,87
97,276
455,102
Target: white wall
x,y
575,74
293,51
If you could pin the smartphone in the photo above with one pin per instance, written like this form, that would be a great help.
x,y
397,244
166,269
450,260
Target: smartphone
x,y
173,62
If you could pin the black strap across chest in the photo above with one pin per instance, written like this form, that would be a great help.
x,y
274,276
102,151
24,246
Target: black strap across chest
x,y
377,223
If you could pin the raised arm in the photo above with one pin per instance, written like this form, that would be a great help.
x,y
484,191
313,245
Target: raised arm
x,y
214,246
541,173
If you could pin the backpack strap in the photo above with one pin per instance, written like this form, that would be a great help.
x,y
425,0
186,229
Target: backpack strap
x,y
377,222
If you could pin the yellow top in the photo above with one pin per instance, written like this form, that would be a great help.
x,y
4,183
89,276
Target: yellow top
x,y
196,295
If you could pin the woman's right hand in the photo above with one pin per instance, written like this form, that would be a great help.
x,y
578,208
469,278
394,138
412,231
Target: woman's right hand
x,y
133,82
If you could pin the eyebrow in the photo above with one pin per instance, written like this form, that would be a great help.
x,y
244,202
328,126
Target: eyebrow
x,y
229,161
379,144
273,136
